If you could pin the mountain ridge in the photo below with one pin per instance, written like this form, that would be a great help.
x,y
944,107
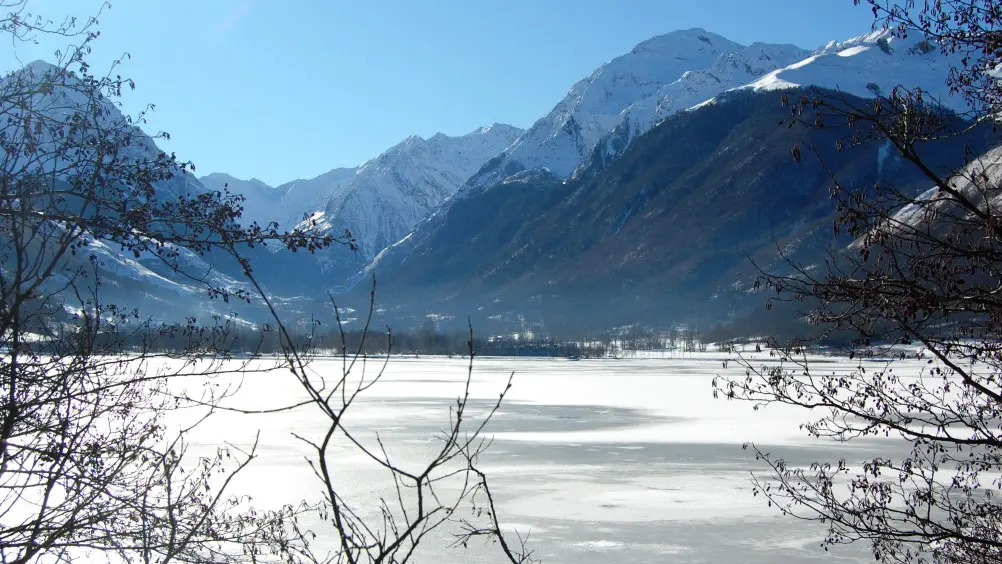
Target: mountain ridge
x,y
669,227
728,67
500,194
391,192
563,139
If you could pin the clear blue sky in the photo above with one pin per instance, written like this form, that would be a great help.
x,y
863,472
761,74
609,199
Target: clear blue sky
x,y
285,89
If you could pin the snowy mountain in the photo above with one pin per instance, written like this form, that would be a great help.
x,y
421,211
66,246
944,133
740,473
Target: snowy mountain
x,y
378,202
288,203
665,230
933,210
57,97
304,197
606,195
871,65
75,126
389,194
661,75
606,111
383,200
260,201
547,220
729,70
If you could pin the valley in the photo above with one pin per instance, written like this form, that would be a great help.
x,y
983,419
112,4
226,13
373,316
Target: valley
x,y
647,189
518,282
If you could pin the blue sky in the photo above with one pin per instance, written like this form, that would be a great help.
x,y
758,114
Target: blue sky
x,y
285,89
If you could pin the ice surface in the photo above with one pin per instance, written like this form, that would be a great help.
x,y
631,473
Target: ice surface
x,y
629,460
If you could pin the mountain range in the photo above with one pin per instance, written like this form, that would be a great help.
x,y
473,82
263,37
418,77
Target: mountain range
x,y
651,192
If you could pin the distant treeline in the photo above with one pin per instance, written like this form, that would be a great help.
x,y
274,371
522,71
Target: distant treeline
x,y
428,340
228,337
421,341
783,325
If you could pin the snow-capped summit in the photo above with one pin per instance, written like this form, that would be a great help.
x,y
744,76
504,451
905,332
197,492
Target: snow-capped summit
x,y
56,97
287,204
378,201
657,77
871,65
261,200
303,197
492,127
389,194
607,111
731,69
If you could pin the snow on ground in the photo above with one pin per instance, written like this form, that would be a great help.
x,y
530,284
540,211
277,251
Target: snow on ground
x,y
631,459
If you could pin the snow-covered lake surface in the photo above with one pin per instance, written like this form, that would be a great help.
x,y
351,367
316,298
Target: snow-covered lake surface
x,y
598,460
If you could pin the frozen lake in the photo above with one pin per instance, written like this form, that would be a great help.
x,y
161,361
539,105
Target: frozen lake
x,y
598,460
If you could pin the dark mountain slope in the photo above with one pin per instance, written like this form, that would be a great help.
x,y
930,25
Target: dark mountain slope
x,y
665,231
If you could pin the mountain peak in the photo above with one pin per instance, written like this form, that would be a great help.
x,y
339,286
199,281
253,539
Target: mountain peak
x,y
40,65
39,69
871,65
393,191
674,40
693,60
225,177
871,38
502,128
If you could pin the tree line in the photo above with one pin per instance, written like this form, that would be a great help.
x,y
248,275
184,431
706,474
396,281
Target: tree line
x,y
231,337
